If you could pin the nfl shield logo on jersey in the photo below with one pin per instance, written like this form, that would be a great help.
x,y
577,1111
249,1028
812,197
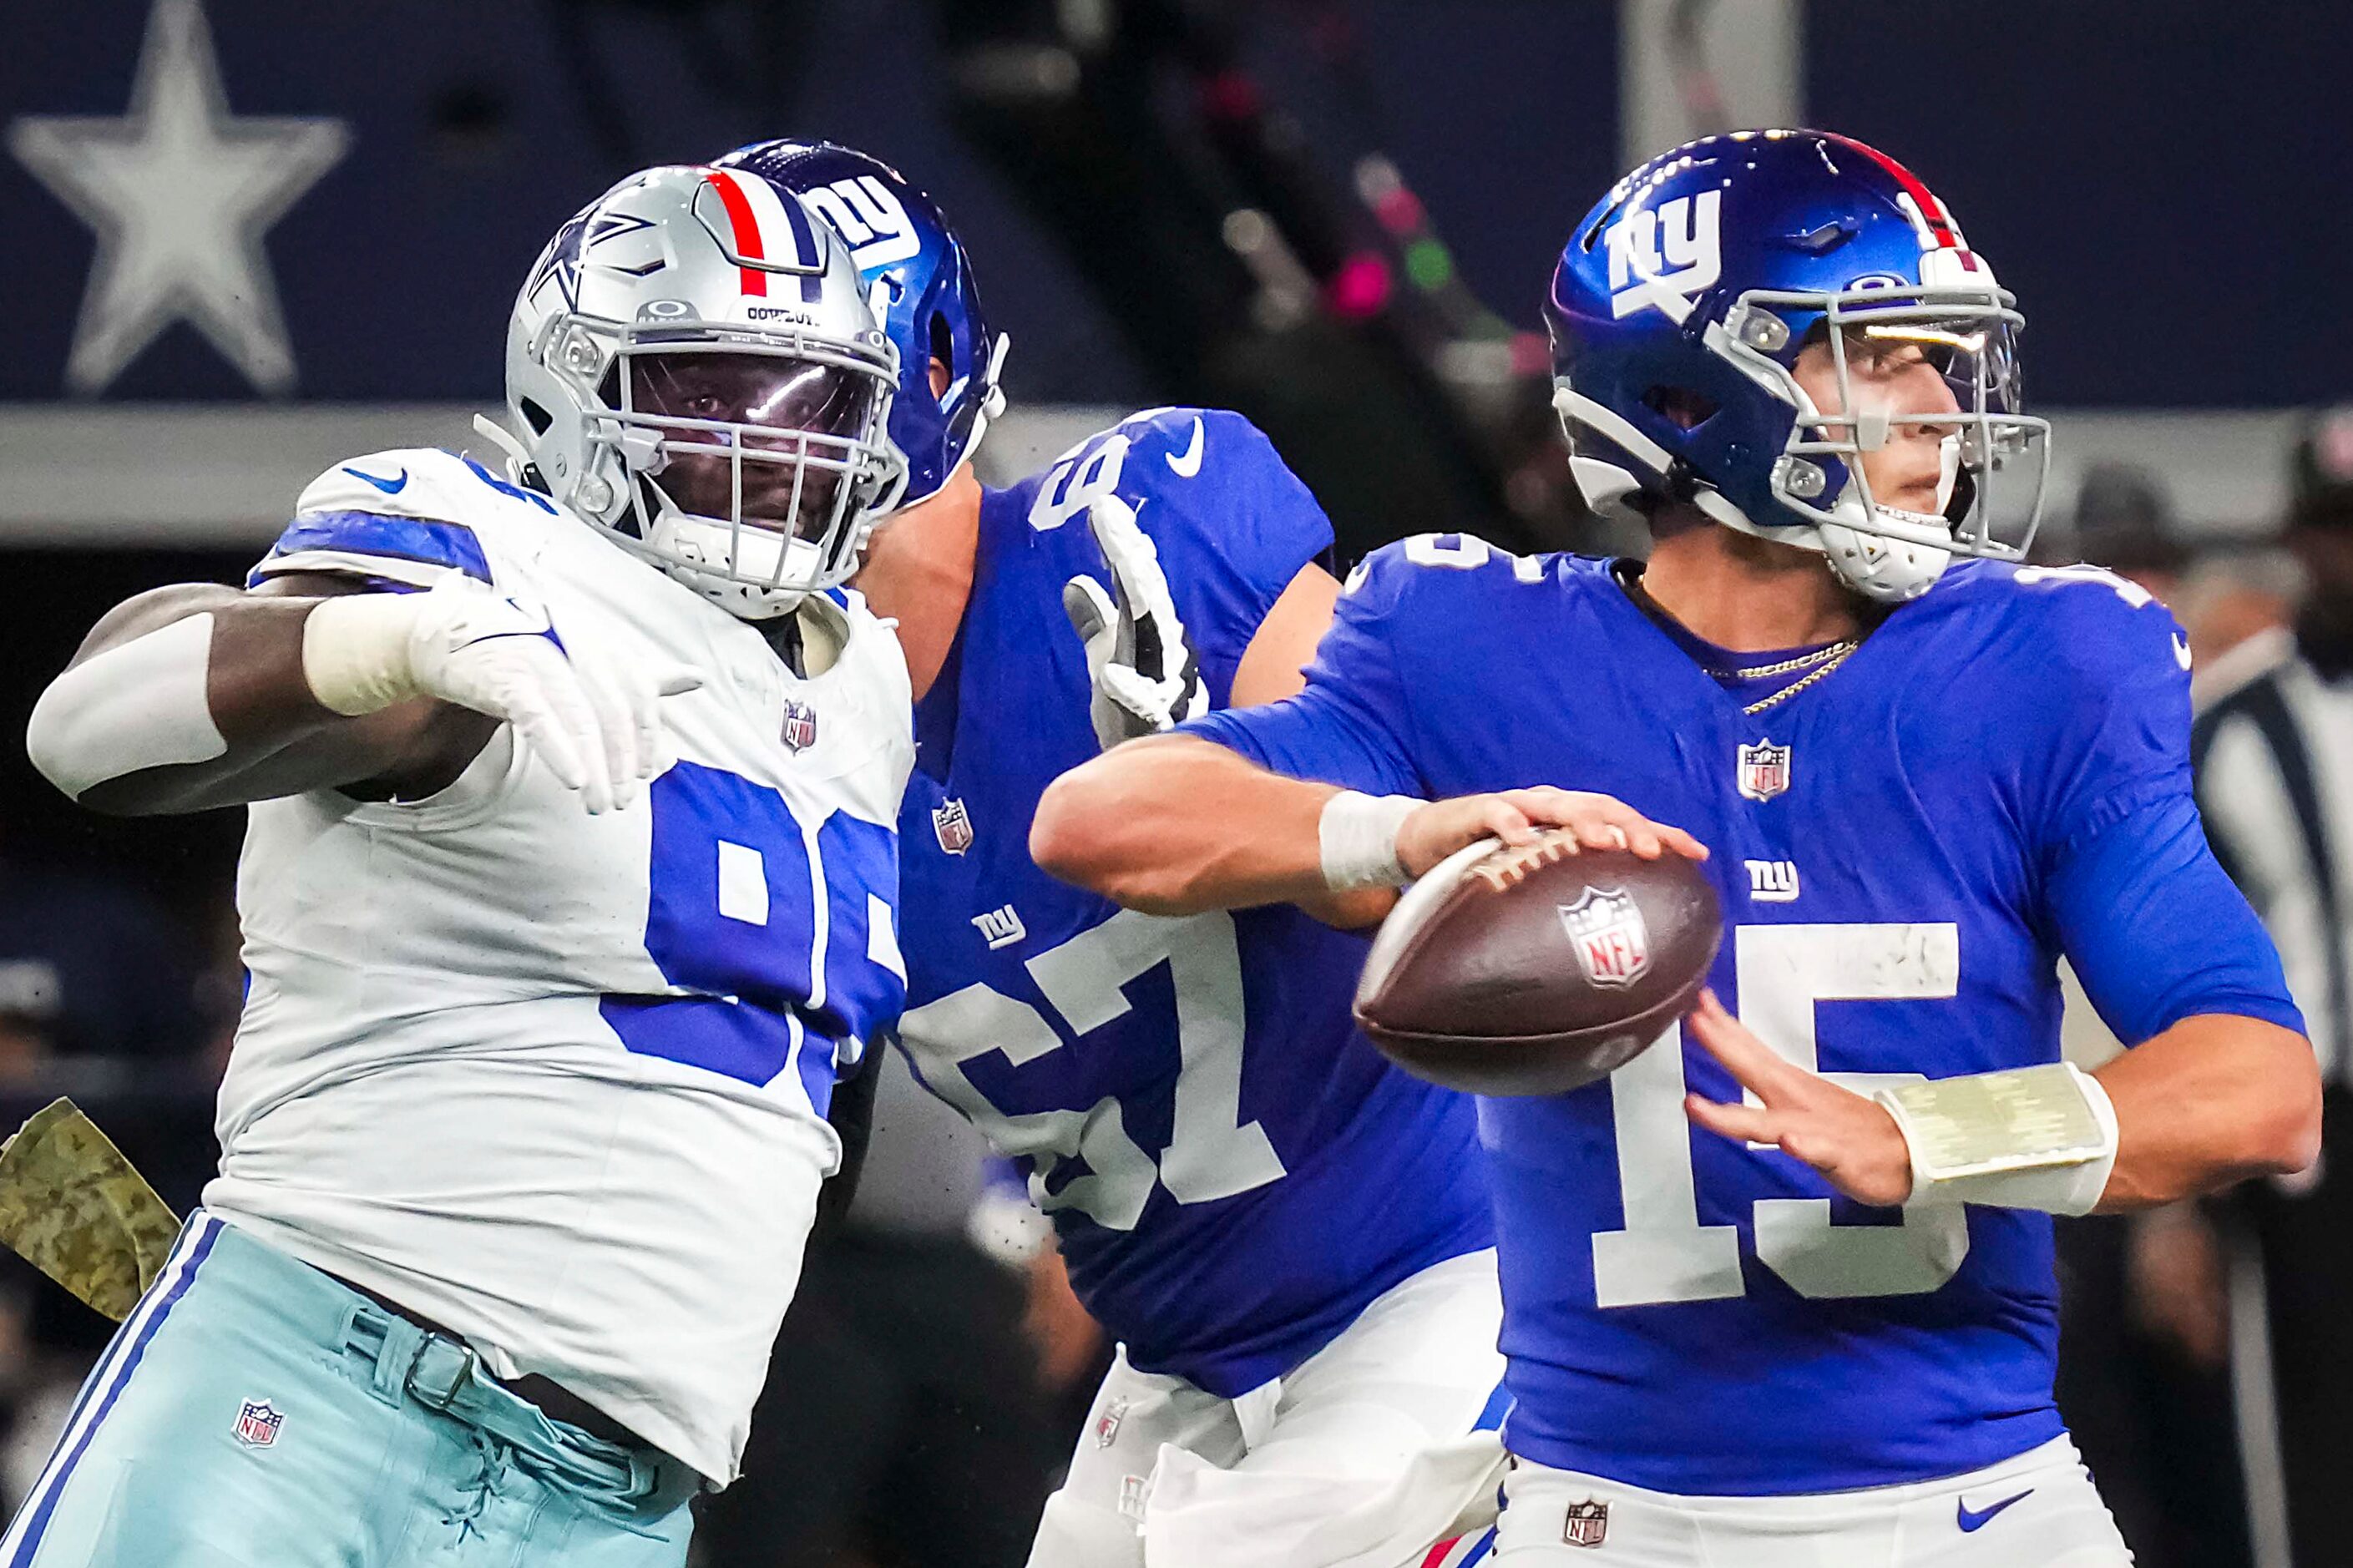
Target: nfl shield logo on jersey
x,y
257,1421
801,725
952,825
1606,928
1588,1523
1764,770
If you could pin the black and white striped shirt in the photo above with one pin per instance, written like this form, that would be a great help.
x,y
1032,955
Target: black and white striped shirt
x,y
2271,747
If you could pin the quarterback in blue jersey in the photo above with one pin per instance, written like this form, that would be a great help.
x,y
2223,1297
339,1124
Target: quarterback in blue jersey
x,y
1290,1240
1781,1289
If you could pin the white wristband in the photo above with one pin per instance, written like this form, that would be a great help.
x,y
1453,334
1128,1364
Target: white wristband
x,y
356,651
2030,1138
1358,838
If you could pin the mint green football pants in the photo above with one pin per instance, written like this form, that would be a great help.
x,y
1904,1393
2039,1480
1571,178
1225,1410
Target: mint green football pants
x,y
254,1410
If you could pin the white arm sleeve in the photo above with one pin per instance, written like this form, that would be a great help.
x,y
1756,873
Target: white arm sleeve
x,y
141,705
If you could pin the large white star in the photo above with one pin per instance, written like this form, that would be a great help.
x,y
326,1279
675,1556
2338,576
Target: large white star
x,y
180,194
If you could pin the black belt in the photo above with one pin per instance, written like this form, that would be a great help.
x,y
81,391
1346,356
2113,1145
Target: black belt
x,y
555,1401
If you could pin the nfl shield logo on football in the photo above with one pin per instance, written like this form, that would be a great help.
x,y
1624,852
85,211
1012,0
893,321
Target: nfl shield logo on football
x,y
1605,926
257,1421
1588,1523
952,825
1764,770
801,725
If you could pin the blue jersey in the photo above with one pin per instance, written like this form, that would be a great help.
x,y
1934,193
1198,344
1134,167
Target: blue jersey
x,y
1998,775
1233,1172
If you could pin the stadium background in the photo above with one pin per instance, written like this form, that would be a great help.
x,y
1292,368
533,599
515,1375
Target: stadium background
x,y
1337,216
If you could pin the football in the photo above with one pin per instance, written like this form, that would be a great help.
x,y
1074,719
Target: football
x,y
1538,969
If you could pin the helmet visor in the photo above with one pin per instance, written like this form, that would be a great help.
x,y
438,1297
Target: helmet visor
x,y
1916,397
765,437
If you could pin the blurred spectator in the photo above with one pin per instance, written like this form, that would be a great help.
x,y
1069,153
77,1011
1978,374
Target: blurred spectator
x,y
2273,748
2239,608
909,1421
89,968
2124,522
2320,533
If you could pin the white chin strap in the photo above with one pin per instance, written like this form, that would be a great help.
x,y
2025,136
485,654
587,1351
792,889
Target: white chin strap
x,y
684,544
1890,570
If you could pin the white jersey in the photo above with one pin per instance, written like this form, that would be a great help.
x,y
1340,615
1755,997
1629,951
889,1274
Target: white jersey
x,y
559,1081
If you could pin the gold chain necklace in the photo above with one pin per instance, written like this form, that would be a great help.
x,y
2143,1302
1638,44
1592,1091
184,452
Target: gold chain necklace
x,y
1836,650
1833,657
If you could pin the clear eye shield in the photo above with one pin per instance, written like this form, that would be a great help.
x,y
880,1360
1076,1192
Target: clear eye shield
x,y
1924,381
747,453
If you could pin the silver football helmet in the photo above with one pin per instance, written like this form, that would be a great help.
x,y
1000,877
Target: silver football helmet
x,y
693,368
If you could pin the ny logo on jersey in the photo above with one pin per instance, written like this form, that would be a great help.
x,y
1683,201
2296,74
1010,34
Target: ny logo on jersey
x,y
1764,770
1661,257
1773,881
1588,1523
874,221
1002,927
951,826
1605,926
801,725
258,1422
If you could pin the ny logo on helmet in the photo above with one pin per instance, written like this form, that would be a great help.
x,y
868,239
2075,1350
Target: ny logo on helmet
x,y
1662,255
865,213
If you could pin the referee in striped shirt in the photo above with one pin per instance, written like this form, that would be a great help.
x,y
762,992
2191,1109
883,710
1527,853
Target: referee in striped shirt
x,y
2273,750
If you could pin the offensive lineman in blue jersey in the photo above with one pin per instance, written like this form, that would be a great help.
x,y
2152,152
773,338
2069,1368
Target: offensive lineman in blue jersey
x,y
1290,1239
1921,787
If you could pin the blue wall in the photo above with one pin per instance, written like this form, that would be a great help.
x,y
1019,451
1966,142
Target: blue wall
x,y
2166,190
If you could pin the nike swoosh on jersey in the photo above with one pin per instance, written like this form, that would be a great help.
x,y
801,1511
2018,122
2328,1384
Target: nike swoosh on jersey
x,y
1189,465
392,486
1971,1519
2180,651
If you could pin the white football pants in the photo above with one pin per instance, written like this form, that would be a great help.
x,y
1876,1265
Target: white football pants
x,y
2037,1510
1360,1458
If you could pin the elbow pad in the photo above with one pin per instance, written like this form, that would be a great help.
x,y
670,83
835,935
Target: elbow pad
x,y
141,704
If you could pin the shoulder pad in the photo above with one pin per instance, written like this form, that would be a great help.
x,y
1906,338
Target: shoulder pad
x,y
2093,622
1463,553
404,517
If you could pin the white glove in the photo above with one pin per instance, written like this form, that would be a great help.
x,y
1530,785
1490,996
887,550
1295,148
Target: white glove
x,y
591,717
1144,676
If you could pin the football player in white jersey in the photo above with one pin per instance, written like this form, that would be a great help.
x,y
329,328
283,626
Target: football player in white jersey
x,y
569,886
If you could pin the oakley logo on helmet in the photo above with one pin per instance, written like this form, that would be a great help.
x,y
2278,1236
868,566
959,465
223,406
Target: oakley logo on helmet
x,y
1661,256
865,213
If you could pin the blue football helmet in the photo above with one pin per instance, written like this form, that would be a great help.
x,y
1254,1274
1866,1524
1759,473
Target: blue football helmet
x,y
920,285
1679,310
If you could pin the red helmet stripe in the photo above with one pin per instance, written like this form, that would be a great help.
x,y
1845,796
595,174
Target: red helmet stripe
x,y
746,227
1932,210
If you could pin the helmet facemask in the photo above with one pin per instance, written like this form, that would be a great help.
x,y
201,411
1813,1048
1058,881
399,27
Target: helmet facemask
x,y
1967,334
749,463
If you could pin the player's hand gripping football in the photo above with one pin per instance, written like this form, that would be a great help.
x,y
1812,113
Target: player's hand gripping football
x,y
1517,816
1849,1138
590,717
1144,676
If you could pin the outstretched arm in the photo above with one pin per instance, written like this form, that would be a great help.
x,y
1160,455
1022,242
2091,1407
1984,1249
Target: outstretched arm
x,y
1176,824
193,696
201,695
